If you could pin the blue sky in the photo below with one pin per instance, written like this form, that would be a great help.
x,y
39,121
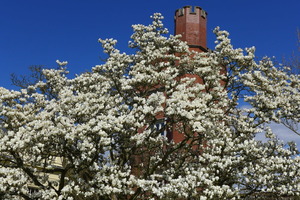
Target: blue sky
x,y
38,32
35,32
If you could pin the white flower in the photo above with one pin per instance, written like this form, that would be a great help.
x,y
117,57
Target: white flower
x,y
63,63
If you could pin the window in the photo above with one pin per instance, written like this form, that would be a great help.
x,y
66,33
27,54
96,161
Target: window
x,y
161,127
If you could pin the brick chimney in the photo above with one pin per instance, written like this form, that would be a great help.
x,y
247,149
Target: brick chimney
x,y
190,22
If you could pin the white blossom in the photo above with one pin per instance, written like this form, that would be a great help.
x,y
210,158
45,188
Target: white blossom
x,y
101,135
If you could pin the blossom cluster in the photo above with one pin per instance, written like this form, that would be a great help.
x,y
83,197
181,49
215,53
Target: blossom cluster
x,y
106,125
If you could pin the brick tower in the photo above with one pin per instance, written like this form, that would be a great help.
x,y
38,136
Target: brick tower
x,y
190,22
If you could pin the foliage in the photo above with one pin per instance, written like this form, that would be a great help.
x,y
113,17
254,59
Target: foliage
x,y
103,126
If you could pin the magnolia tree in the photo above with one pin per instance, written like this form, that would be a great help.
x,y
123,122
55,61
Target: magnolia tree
x,y
102,126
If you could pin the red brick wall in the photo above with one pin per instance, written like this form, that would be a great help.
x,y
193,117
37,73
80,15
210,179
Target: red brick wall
x,y
190,22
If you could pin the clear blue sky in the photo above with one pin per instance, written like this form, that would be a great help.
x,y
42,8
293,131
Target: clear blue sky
x,y
38,32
